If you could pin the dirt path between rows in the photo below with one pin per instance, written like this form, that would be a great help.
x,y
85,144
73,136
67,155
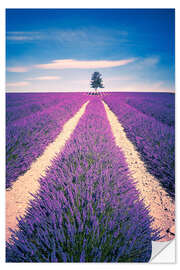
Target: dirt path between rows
x,y
18,197
161,206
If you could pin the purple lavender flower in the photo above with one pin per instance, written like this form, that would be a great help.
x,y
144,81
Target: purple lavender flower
x,y
94,214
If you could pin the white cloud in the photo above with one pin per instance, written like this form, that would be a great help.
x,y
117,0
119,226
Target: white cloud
x,y
78,64
71,64
142,87
45,78
17,69
150,61
81,35
120,78
17,84
24,36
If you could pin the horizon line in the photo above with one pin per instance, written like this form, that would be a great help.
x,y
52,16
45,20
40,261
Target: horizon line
x,y
59,91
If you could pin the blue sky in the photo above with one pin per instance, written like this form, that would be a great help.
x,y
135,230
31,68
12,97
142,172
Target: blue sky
x,y
59,49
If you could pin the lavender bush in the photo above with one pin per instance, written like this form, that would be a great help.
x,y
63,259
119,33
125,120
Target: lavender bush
x,y
161,106
27,137
152,139
21,105
87,209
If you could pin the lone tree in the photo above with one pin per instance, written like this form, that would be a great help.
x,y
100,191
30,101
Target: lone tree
x,y
96,81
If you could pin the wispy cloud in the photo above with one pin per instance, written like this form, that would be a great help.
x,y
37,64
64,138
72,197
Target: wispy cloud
x,y
148,62
18,69
70,64
90,36
24,36
121,78
133,86
77,64
45,78
82,35
17,84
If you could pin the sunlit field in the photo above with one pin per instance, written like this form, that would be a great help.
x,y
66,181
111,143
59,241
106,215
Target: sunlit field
x,y
87,207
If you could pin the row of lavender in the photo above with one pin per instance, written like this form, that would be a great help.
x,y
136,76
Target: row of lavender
x,y
154,140
87,209
28,136
161,106
25,104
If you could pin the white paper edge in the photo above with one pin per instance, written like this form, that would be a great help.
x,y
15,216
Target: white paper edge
x,y
163,252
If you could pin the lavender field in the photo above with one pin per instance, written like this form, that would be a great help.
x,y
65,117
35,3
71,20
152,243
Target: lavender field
x,y
88,208
148,120
32,124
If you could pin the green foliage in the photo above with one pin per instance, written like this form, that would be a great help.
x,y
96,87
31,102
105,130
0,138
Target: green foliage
x,y
96,80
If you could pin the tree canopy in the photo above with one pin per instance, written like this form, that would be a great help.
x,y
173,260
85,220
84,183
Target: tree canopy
x,y
96,80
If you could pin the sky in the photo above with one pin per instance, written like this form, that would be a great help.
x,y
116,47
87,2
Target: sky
x,y
59,49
